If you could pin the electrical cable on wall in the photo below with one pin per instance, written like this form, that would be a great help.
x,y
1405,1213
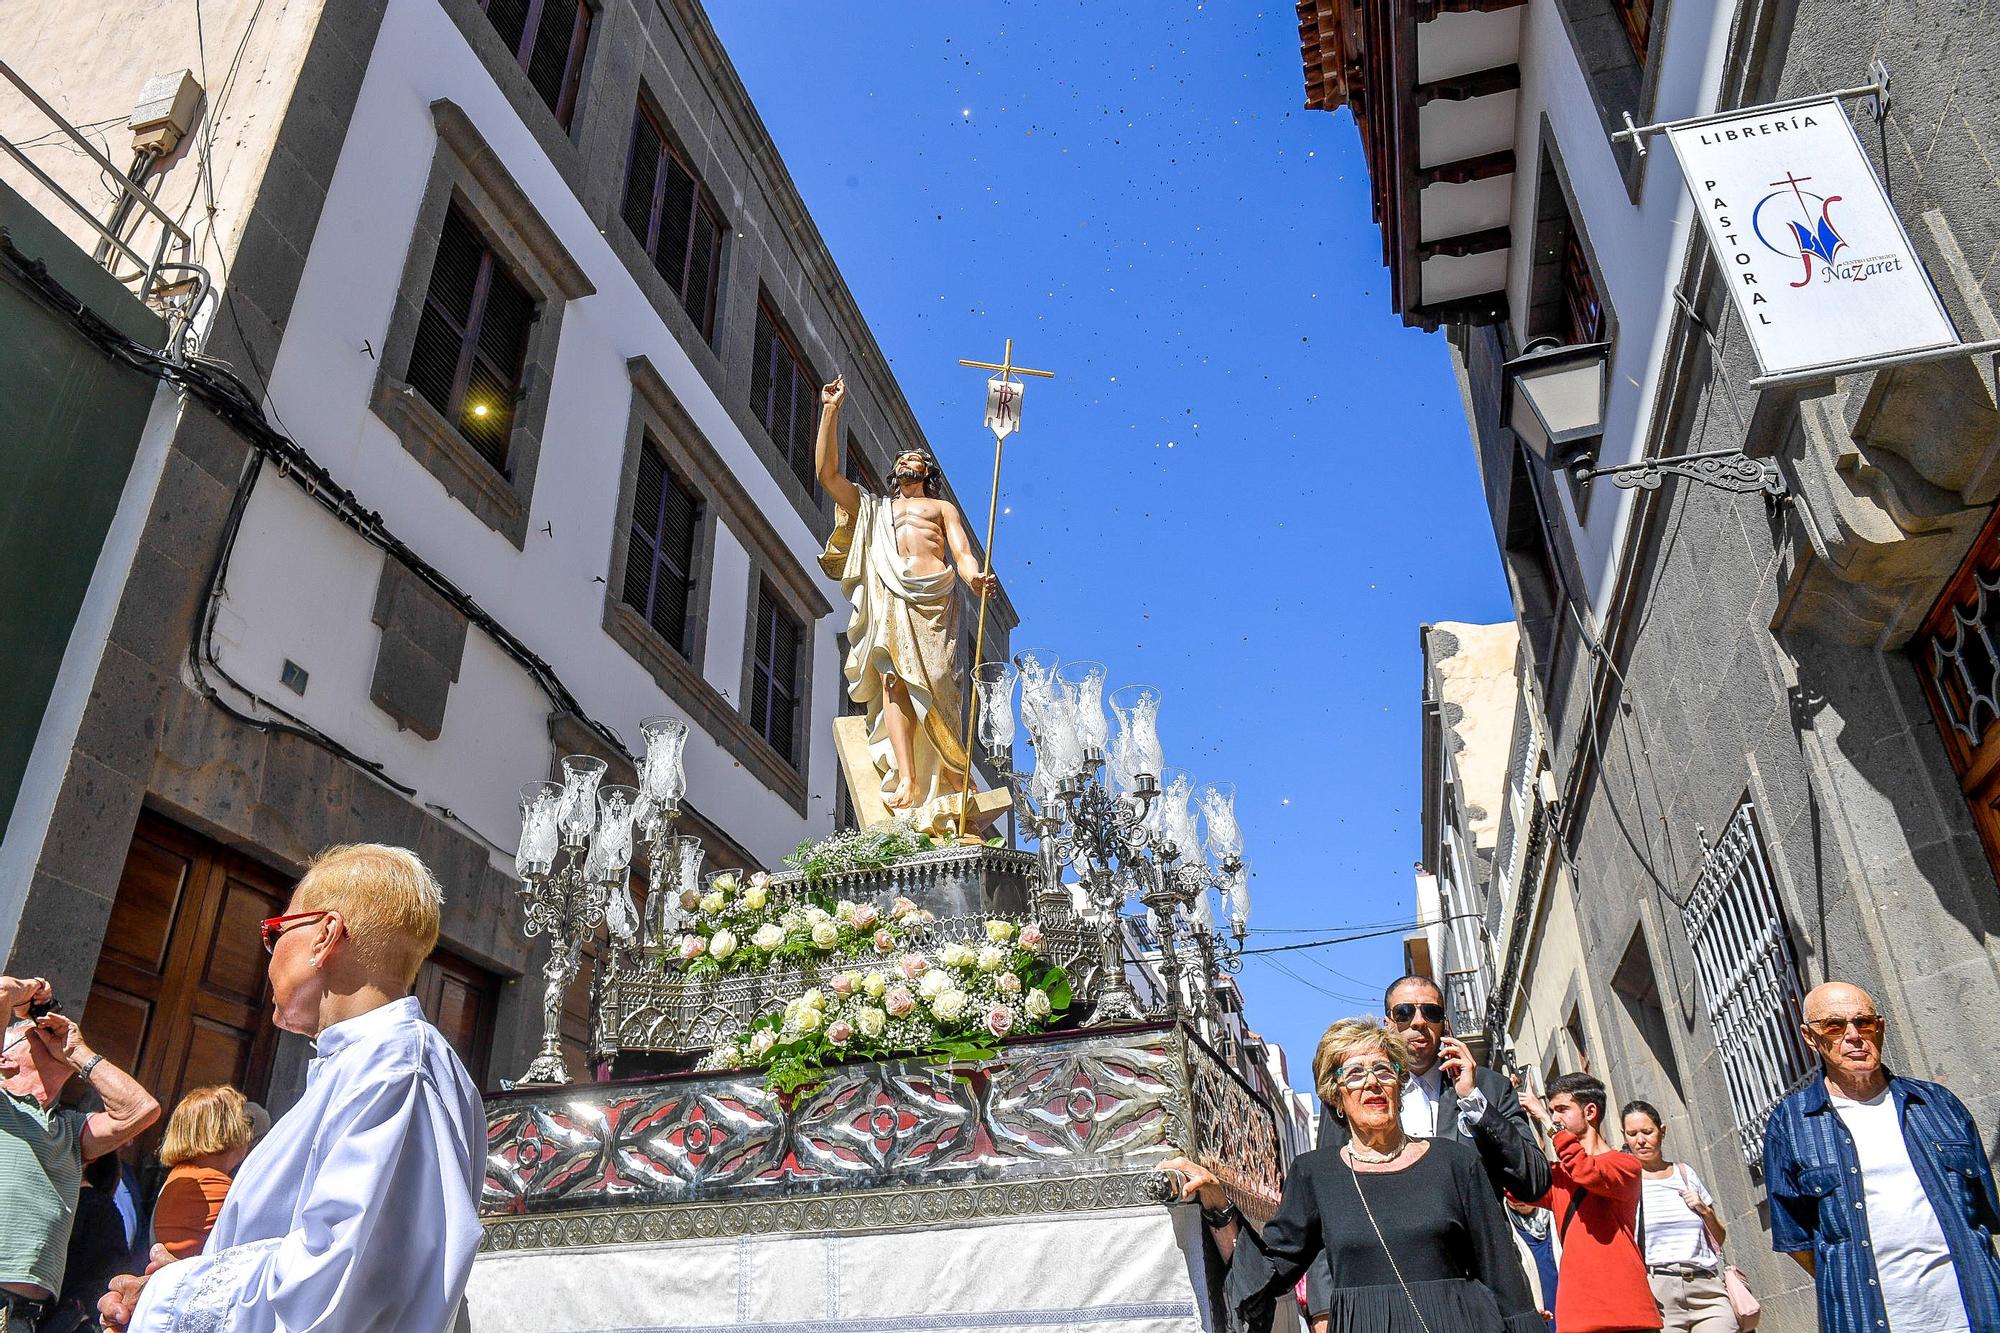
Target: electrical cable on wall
x,y
223,392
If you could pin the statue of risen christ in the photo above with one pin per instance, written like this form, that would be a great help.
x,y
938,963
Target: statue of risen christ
x,y
899,558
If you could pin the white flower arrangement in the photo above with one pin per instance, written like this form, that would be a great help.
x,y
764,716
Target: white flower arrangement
x,y
881,996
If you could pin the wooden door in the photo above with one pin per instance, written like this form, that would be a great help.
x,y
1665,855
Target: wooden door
x,y
180,997
460,998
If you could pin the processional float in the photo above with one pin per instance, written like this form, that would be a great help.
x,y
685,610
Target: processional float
x,y
907,1027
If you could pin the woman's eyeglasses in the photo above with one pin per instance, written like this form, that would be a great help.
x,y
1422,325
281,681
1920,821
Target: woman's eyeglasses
x,y
1868,1025
274,926
1360,1076
1404,1013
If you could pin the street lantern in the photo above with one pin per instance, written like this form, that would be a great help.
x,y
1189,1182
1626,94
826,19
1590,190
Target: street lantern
x,y
1555,400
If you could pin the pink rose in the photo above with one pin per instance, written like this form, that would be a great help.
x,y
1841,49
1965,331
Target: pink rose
x,y
1031,938
865,917
899,1002
690,899
999,1020
840,1032
903,907
884,942
1008,983
843,983
914,965
692,947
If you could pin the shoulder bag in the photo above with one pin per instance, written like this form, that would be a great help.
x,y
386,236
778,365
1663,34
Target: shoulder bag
x,y
1743,1302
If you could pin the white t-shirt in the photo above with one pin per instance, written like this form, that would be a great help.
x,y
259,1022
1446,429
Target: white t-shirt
x,y
1675,1233
1912,1260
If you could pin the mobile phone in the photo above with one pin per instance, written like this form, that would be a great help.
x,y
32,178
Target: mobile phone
x,y
42,1008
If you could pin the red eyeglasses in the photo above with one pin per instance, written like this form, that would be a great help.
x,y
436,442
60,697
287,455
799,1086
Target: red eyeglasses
x,y
274,926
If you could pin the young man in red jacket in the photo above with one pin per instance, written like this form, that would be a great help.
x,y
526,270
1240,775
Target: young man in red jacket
x,y
1601,1285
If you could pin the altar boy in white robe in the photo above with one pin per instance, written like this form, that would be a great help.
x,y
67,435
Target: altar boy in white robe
x,y
358,1212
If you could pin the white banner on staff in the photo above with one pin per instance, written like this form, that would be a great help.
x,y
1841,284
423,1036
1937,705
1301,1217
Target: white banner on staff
x,y
1815,258
1003,406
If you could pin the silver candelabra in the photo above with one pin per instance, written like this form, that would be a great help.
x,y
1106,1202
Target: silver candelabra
x,y
1095,805
575,864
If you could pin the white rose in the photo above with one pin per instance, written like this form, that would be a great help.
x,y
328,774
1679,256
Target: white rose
x,y
816,914
711,903
755,897
949,1006
843,912
1038,1005
760,879
826,934
721,944
769,936
870,1020
762,1041
933,984
999,931
809,1019
723,884
991,959
873,985
1008,983
812,999
956,955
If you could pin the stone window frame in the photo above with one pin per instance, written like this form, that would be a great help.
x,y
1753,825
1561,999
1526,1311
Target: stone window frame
x,y
659,415
632,251
1618,80
761,581
563,144
465,171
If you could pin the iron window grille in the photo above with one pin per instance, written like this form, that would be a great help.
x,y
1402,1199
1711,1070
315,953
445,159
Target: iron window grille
x,y
774,676
660,557
547,38
472,340
674,218
1749,979
784,394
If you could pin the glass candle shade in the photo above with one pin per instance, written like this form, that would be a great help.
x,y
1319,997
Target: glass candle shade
x,y
662,775
581,775
1218,812
993,685
1084,683
611,847
536,852
1135,751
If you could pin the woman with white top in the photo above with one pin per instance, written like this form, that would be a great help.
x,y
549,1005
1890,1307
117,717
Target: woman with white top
x,y
1678,1232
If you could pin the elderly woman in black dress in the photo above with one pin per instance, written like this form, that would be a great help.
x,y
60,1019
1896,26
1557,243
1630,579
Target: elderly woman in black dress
x,y
1410,1227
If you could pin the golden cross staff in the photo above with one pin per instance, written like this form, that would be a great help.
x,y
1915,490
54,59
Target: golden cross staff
x,y
1003,417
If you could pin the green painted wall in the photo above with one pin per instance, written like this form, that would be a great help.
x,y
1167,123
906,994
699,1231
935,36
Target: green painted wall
x,y
70,421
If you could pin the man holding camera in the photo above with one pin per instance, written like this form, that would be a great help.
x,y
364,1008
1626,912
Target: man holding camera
x,y
43,1145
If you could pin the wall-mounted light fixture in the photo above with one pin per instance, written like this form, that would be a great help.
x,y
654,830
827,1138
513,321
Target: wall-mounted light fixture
x,y
1555,403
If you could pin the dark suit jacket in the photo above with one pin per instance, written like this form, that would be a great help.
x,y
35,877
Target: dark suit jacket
x,y
1504,1137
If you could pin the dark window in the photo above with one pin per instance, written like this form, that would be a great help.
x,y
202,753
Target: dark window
x,y
1637,18
547,37
784,394
460,999
1581,306
672,216
659,558
472,340
859,470
774,676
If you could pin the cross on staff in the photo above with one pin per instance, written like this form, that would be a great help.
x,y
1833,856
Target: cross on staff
x,y
1003,415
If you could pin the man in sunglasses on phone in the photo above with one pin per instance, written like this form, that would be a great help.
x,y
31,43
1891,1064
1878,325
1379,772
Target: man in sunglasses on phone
x,y
44,1144
1446,1096
1880,1186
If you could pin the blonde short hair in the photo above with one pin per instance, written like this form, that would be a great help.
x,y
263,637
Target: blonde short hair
x,y
1350,1036
208,1120
387,898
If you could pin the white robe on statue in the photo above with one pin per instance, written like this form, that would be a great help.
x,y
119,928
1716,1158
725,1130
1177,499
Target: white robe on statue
x,y
358,1213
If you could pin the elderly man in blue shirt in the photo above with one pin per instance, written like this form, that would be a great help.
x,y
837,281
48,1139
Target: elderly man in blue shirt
x,y
1880,1186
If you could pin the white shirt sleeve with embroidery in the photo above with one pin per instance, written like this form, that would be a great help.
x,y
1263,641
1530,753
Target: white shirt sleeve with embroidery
x,y
382,1235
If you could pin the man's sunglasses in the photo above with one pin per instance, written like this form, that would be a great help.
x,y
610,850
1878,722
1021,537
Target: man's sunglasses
x,y
273,926
1868,1025
1404,1014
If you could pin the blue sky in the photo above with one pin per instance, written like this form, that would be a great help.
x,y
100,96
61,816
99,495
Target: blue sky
x,y
1250,484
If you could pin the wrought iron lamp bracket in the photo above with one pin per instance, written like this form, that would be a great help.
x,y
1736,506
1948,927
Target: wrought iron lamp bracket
x,y
1724,469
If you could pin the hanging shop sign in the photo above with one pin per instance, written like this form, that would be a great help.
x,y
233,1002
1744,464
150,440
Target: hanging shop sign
x,y
1815,258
